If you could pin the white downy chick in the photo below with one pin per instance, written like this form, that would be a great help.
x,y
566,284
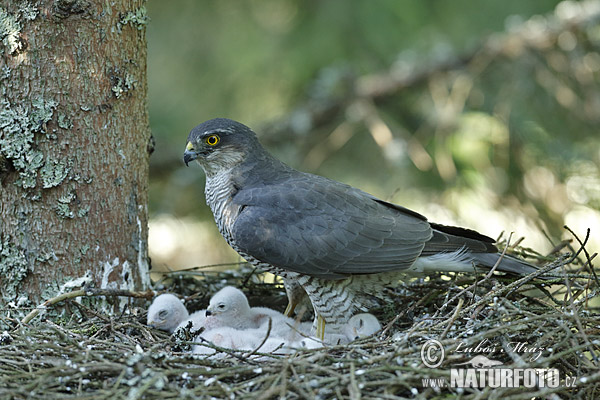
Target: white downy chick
x,y
282,326
222,337
361,325
229,307
166,312
230,338
249,340
306,343
274,345
281,346
197,319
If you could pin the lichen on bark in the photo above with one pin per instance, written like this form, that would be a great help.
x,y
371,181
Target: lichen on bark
x,y
10,32
18,126
53,173
137,18
14,267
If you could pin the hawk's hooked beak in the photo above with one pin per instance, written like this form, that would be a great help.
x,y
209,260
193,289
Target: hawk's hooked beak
x,y
189,154
209,311
156,324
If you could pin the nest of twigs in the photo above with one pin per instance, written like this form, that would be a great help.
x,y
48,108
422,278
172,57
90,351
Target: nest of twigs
x,y
522,322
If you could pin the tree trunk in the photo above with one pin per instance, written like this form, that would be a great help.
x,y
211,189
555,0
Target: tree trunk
x,y
74,147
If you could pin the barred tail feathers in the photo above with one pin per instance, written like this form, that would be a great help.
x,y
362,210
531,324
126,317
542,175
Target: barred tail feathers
x,y
464,261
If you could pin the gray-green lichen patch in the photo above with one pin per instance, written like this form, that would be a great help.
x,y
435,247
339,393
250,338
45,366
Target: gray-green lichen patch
x,y
5,75
18,126
10,27
63,211
42,112
64,122
62,208
16,134
53,173
82,252
10,32
138,19
123,85
78,178
13,269
28,11
45,256
83,211
28,166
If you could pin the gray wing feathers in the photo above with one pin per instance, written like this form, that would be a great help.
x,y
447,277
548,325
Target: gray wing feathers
x,y
329,230
326,229
450,238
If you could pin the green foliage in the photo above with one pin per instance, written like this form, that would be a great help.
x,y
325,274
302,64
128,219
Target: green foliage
x,y
255,60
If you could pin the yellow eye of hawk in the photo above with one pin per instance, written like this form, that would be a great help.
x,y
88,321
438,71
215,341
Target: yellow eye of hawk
x,y
212,140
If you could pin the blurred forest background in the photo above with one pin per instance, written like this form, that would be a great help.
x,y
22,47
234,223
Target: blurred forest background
x,y
482,114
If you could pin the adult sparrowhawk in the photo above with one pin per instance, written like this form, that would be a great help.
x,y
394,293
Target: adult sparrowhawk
x,y
338,243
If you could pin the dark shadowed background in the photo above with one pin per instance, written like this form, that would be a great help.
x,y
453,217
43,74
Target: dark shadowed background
x,y
483,114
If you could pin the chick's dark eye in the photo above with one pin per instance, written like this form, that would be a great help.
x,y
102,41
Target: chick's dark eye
x,y
212,140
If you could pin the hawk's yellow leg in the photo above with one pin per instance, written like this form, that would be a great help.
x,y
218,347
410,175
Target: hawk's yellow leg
x,y
320,328
289,310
